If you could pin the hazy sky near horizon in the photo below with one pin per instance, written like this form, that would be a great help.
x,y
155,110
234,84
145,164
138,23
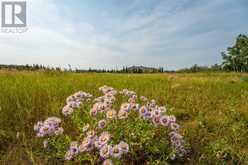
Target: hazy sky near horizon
x,y
115,33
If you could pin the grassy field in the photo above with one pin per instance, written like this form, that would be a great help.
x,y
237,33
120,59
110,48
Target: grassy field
x,y
211,107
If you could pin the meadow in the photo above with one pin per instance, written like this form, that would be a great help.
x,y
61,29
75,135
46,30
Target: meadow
x,y
211,108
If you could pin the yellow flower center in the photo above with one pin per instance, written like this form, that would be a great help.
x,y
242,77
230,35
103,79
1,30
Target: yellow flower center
x,y
45,129
103,138
105,150
123,146
116,150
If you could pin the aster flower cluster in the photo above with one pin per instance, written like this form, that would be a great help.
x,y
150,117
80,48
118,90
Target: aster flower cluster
x,y
106,150
74,101
127,92
49,127
104,103
133,102
108,90
157,114
96,140
100,143
86,145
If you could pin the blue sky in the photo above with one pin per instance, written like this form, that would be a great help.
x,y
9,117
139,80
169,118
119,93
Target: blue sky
x,y
115,33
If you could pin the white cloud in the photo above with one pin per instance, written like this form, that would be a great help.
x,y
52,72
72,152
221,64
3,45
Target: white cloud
x,y
48,41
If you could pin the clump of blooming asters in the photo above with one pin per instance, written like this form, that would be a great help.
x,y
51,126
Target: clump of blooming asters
x,y
99,141
49,127
104,103
73,151
75,101
107,90
127,92
157,115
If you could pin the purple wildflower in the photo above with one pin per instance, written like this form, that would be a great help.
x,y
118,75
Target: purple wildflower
x,y
38,126
93,112
45,143
174,126
124,146
91,134
105,151
162,109
126,107
97,143
102,123
175,134
68,155
116,151
173,156
53,121
142,111
148,115
156,112
122,114
172,119
67,110
135,106
156,120
85,145
74,148
46,130
74,104
165,121
86,127
59,131
104,138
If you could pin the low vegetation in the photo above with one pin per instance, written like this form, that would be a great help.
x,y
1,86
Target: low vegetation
x,y
211,109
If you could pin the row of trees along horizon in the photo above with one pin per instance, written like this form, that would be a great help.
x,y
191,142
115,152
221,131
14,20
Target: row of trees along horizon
x,y
235,59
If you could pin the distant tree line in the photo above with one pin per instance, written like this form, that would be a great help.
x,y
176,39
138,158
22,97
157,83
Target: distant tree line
x,y
234,59
35,67
27,67
133,69
197,68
